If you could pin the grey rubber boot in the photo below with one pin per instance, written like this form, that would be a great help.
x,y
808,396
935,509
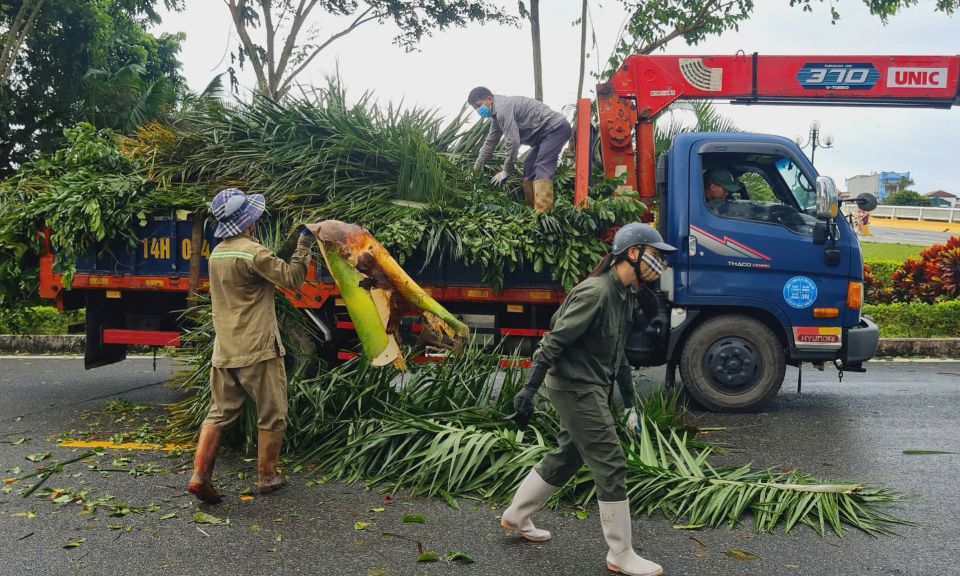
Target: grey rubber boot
x,y
531,495
618,532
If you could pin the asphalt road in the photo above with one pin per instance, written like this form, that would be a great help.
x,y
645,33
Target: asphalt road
x,y
854,430
902,236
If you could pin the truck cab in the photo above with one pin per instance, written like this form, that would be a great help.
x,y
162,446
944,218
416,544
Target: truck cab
x,y
768,276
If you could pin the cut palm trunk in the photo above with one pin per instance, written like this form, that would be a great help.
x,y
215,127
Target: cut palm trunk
x,y
377,292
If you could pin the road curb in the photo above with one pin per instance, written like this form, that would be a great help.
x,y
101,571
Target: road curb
x,y
76,344
45,344
935,347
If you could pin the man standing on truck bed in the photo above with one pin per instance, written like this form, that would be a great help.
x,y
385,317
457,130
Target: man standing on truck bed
x,y
247,352
520,120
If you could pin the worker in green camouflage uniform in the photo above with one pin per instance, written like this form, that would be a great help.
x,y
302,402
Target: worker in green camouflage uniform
x,y
579,359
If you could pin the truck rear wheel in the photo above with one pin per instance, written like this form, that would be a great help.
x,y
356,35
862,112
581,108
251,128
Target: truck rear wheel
x,y
732,364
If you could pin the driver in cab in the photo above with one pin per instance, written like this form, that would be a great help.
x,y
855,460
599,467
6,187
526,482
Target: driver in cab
x,y
719,184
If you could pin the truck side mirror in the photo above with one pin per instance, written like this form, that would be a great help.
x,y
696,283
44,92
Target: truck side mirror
x,y
827,198
820,233
866,202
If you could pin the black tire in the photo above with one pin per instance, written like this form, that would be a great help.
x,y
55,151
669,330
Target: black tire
x,y
732,364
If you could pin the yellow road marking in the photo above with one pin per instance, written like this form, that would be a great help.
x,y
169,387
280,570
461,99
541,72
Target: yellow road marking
x,y
952,228
125,445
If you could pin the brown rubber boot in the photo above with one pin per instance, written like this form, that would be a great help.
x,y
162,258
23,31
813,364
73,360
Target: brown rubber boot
x,y
268,452
542,195
527,191
200,485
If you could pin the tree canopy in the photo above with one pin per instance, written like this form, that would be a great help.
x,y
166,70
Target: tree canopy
x,y
88,60
906,198
285,48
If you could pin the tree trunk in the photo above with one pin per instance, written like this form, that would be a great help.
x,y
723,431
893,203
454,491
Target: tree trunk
x,y
15,39
535,33
572,145
583,49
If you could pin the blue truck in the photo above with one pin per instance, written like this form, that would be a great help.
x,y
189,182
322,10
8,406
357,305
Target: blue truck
x,y
768,277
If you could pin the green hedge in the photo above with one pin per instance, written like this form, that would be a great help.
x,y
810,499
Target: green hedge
x,y
38,320
882,270
916,319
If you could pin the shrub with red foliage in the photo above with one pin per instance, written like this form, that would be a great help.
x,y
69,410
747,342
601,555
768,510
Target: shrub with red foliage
x,y
913,282
948,263
934,276
874,292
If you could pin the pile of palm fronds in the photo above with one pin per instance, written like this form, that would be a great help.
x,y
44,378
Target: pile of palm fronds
x,y
405,173
439,431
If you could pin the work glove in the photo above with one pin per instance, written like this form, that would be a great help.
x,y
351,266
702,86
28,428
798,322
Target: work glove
x,y
649,303
525,399
307,238
632,420
498,179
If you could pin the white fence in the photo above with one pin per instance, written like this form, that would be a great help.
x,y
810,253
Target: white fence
x,y
917,213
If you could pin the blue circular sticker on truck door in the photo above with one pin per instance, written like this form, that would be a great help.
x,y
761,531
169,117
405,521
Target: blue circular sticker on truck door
x,y
800,292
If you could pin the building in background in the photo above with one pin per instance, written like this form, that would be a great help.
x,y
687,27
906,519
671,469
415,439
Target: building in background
x,y
880,185
942,198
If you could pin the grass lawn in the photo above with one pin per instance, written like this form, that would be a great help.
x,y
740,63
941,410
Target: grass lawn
x,y
878,251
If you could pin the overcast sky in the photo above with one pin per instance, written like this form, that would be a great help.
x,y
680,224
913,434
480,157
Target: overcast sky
x,y
924,142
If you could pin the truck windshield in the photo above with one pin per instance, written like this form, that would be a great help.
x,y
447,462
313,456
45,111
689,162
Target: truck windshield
x,y
798,184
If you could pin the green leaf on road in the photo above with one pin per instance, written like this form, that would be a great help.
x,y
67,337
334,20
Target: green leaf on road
x,y
689,526
376,509
428,557
18,470
742,555
74,544
459,556
360,525
202,518
168,516
413,519
583,514
38,457
926,452
377,571
112,527
450,500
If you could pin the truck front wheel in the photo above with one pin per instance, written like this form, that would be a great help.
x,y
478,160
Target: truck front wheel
x,y
732,364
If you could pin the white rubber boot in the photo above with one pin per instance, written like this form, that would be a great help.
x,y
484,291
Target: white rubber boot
x,y
531,495
618,532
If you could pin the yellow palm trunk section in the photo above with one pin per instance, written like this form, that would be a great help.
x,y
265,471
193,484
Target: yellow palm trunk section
x,y
377,291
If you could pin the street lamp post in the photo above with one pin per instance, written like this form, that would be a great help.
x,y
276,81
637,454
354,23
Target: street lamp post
x,y
815,139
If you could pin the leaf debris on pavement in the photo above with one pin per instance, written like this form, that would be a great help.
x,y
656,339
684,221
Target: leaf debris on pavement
x,y
204,518
742,555
413,519
459,556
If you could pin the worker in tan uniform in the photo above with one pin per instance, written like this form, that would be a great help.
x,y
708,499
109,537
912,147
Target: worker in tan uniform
x,y
247,352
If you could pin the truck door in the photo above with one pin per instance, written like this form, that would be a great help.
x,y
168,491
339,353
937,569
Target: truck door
x,y
752,245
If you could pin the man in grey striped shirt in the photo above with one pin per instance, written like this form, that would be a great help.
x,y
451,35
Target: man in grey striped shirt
x,y
521,120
